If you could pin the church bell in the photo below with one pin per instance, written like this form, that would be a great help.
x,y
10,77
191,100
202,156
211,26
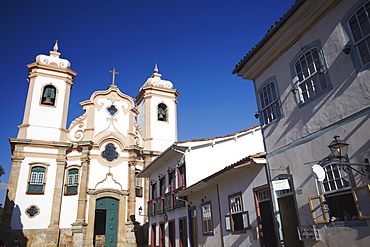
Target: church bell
x,y
47,101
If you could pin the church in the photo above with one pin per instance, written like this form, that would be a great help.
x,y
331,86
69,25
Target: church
x,y
77,186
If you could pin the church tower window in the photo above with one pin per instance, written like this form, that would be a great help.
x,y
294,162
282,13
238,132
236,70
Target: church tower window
x,y
162,112
110,153
72,183
48,95
36,183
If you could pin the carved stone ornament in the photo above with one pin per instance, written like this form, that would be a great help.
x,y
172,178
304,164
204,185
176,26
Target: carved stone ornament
x,y
32,211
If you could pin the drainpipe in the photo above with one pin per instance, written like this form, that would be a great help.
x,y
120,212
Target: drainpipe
x,y
219,212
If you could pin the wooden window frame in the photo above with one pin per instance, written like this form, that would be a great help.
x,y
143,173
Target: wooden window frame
x,y
229,219
34,165
359,201
207,220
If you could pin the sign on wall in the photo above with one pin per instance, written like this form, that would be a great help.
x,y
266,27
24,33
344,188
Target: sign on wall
x,y
281,184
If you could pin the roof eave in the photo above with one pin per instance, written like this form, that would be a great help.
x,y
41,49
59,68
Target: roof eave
x,y
266,38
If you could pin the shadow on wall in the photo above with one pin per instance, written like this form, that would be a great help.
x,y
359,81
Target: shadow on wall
x,y
13,238
141,232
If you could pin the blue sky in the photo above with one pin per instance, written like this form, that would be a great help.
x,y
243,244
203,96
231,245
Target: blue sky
x,y
196,44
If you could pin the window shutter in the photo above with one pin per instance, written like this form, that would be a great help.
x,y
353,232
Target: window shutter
x,y
319,210
246,220
228,222
361,196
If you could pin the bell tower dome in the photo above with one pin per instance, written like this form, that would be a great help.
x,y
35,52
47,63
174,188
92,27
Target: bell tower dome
x,y
156,102
50,81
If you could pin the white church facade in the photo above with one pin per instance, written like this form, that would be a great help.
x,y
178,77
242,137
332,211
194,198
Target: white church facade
x,y
77,186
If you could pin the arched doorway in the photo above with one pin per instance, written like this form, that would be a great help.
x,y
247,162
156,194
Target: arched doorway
x,y
106,222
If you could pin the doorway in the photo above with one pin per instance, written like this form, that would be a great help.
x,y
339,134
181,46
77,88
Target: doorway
x,y
161,235
106,222
193,231
266,230
289,221
183,232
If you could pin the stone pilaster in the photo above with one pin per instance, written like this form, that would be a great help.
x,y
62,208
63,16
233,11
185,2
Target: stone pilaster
x,y
82,195
129,228
17,158
80,226
121,236
147,160
52,235
91,219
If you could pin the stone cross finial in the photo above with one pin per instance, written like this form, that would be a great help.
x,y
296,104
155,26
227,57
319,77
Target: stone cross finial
x,y
113,74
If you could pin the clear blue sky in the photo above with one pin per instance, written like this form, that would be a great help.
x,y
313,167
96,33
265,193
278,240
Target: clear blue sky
x,y
196,44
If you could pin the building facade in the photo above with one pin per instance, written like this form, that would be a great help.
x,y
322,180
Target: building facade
x,y
78,186
194,182
311,77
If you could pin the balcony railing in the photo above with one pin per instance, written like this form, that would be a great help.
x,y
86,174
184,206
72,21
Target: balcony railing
x,y
151,207
159,205
169,201
165,203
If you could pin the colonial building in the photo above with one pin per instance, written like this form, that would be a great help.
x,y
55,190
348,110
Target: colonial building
x,y
202,192
311,77
78,186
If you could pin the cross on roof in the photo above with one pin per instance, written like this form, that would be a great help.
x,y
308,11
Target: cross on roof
x,y
113,74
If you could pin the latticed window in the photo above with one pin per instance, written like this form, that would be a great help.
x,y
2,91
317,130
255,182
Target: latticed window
x,y
359,23
310,74
238,220
72,184
337,202
138,187
270,109
207,218
36,183
335,178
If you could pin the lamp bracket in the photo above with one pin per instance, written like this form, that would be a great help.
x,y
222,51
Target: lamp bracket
x,y
365,168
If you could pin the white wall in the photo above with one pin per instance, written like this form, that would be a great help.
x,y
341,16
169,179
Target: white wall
x,y
202,162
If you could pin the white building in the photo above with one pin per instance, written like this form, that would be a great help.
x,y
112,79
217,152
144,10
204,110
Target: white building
x,y
232,206
78,186
311,77
188,168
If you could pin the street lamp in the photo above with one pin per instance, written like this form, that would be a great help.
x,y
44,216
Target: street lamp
x,y
140,211
338,148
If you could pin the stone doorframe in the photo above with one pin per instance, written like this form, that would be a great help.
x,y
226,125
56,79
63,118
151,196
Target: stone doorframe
x,y
121,196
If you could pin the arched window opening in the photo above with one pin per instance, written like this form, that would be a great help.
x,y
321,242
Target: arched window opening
x,y
162,112
310,73
359,24
48,95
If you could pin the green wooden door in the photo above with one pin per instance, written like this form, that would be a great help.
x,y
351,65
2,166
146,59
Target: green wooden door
x,y
110,205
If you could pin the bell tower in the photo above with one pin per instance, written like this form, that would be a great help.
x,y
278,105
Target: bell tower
x,y
50,81
156,102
